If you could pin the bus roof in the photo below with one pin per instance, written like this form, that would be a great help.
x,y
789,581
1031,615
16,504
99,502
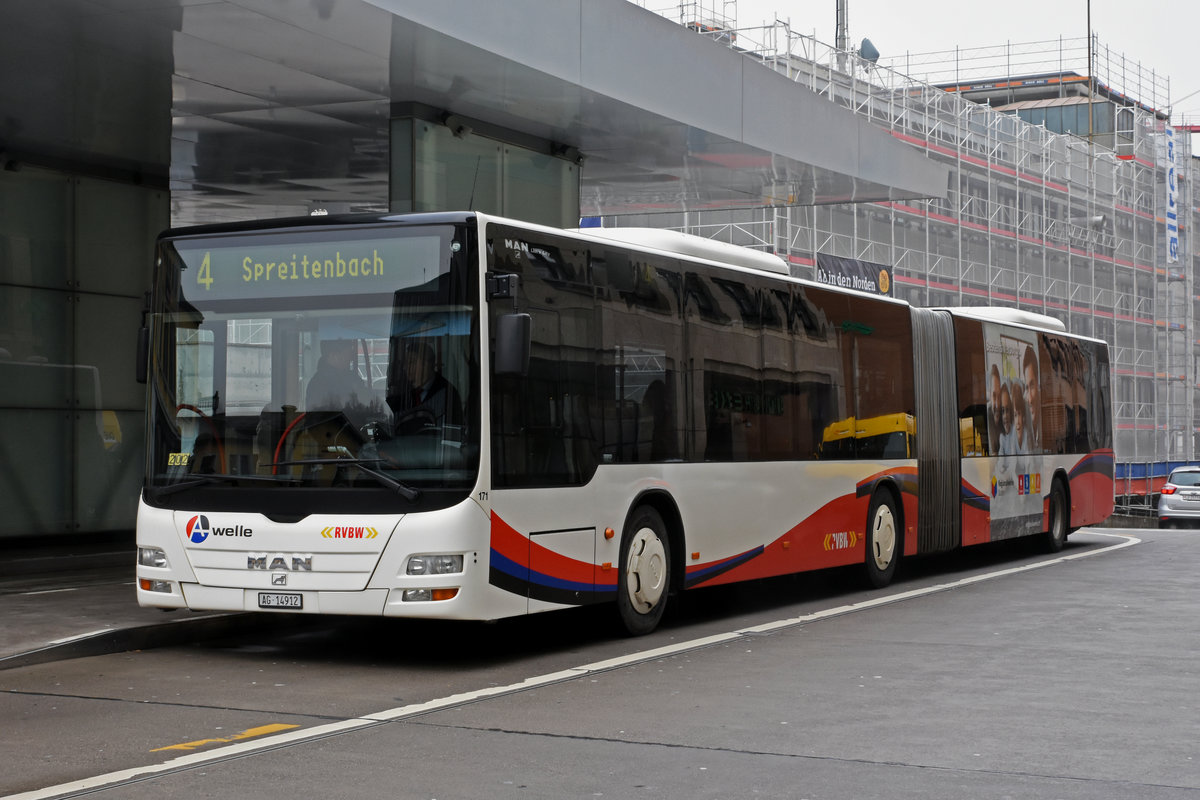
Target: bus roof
x,y
690,245
1012,316
318,221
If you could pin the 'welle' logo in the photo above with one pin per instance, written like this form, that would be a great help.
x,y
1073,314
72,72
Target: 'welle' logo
x,y
199,529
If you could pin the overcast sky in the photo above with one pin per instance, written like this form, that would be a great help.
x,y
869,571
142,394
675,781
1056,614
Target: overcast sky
x,y
1142,31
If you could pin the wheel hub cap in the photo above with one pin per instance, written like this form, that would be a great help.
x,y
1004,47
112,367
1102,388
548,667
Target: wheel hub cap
x,y
884,538
646,570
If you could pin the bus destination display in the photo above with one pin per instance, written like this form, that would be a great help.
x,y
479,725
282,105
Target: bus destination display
x,y
222,270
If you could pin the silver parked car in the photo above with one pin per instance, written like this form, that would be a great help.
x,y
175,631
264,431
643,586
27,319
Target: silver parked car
x,y
1179,502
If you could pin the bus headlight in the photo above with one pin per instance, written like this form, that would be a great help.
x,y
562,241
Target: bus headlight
x,y
148,585
152,557
434,565
428,595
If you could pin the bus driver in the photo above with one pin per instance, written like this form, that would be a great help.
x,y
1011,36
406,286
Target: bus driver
x,y
431,396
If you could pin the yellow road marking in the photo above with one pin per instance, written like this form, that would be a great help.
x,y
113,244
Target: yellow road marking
x,y
249,733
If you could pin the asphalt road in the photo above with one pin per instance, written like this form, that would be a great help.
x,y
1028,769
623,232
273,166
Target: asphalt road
x,y
993,673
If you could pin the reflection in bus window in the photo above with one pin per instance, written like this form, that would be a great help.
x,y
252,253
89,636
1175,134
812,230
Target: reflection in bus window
x,y
275,382
882,437
546,425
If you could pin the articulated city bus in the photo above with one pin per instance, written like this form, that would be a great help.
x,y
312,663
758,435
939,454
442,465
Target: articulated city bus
x,y
465,417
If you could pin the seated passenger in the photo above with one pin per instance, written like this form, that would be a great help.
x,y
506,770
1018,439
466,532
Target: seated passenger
x,y
336,384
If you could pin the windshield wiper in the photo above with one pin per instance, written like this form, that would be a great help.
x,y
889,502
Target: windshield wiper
x,y
405,491
207,478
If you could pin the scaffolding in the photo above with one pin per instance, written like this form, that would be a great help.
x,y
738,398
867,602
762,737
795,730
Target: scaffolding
x,y
1072,226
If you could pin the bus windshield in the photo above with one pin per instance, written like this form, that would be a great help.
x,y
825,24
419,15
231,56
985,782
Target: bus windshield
x,y
308,360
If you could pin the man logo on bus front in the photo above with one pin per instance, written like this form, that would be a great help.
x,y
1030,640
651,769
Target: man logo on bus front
x,y
198,528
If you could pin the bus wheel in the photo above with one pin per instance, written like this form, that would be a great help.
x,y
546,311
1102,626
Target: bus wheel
x,y
645,571
1055,537
883,540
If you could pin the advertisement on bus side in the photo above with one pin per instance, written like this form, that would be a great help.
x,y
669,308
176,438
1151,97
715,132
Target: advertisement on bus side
x,y
1016,480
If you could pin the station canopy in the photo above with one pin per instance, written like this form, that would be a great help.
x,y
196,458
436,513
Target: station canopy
x,y
260,107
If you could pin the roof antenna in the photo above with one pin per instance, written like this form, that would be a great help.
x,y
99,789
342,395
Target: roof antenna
x,y
474,182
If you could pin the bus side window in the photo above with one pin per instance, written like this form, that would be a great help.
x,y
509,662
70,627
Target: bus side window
x,y
823,379
725,333
979,434
1055,395
639,358
546,426
882,342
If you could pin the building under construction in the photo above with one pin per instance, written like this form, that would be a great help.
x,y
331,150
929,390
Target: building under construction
x,y
1050,165
1079,210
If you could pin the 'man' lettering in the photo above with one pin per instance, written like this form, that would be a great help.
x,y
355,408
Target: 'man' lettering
x,y
299,561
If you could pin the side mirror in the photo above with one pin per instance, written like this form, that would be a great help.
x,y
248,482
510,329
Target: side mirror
x,y
143,354
512,344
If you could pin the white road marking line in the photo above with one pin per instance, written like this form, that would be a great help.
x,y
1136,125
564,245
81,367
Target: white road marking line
x,y
874,602
416,709
135,773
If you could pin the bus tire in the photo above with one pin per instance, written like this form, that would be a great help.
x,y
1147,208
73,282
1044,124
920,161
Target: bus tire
x,y
644,575
884,540
1059,523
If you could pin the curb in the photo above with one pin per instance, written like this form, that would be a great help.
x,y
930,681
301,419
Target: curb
x,y
35,565
139,637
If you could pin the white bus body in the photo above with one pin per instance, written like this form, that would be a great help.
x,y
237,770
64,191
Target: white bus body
x,y
675,421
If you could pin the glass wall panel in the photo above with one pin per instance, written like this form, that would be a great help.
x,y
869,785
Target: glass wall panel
x,y
105,335
402,166
1054,119
455,174
439,167
540,188
36,479
115,226
35,220
110,484
36,328
75,256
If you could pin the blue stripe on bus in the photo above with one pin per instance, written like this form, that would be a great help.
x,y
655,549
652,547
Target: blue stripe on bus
x,y
519,579
971,498
509,567
1101,463
713,570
